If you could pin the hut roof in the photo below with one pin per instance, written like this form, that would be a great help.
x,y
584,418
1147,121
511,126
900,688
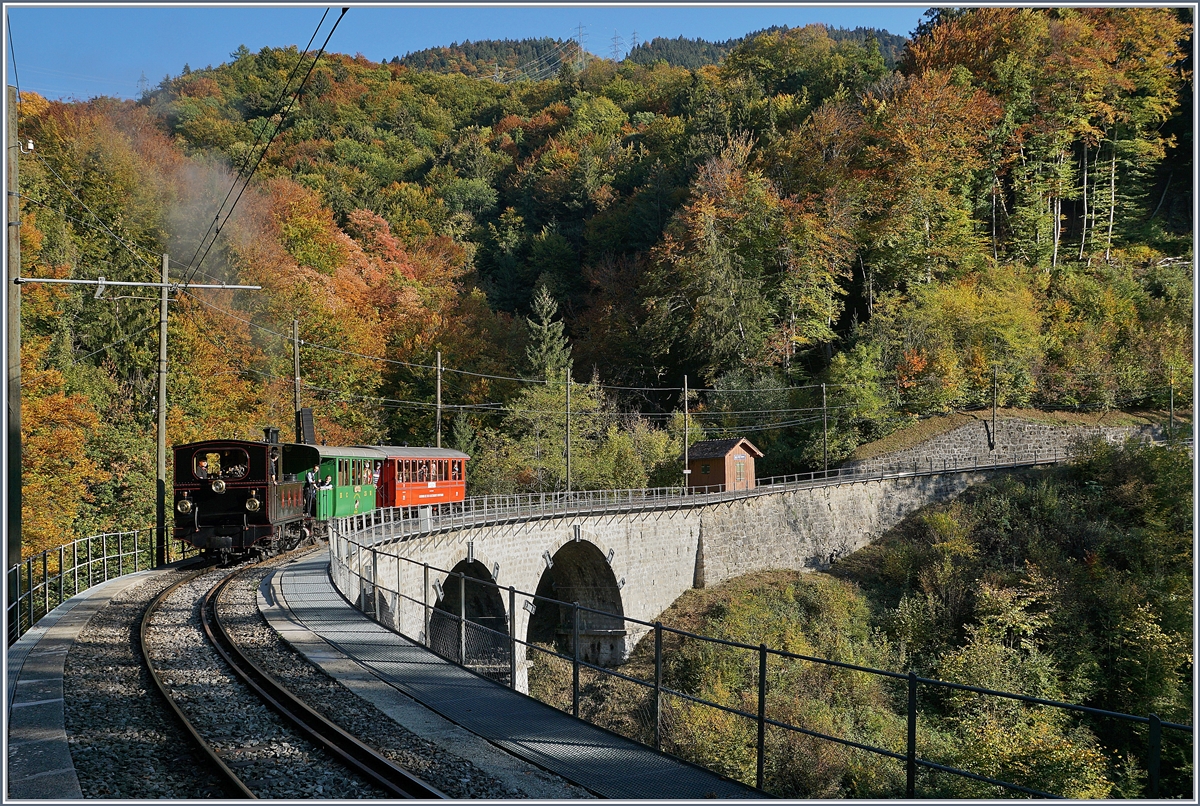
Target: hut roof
x,y
718,448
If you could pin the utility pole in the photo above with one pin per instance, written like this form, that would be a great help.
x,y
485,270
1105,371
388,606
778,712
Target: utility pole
x,y
296,378
687,471
568,430
825,428
13,332
581,57
439,398
161,501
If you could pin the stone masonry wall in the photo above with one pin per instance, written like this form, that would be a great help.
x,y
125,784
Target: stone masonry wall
x,y
1015,440
810,528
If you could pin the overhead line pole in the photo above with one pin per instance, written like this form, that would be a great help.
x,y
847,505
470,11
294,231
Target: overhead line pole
x,y
439,398
568,430
686,470
825,428
160,520
296,378
13,332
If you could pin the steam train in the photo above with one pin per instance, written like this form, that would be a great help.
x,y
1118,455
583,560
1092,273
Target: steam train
x,y
238,497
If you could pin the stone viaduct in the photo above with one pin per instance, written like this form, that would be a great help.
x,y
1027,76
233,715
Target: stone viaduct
x,y
633,562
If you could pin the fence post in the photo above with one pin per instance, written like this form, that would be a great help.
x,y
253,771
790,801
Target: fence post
x,y
462,618
425,606
104,554
512,637
911,784
375,583
16,625
1155,753
762,713
62,575
74,565
575,663
46,581
658,685
120,554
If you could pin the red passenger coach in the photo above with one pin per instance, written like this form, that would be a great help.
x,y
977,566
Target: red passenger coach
x,y
420,477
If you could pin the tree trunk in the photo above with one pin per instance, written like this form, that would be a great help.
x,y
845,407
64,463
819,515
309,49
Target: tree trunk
x,y
1083,218
1112,206
995,251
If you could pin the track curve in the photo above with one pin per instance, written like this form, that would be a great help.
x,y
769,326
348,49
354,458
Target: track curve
x,y
364,760
234,785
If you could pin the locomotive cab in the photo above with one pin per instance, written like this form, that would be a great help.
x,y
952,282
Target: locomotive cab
x,y
232,495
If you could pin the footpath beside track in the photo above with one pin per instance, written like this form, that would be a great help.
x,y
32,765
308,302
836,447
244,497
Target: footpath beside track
x,y
302,605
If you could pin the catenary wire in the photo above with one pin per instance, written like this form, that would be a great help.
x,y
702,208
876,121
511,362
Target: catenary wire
x,y
13,52
246,161
263,153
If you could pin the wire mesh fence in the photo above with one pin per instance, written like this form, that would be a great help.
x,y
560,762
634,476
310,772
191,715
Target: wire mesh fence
x,y
44,581
789,724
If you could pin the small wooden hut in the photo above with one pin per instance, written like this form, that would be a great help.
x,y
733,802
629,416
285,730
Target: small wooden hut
x,y
727,464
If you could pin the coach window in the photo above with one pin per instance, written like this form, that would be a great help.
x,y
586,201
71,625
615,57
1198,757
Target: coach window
x,y
343,470
456,470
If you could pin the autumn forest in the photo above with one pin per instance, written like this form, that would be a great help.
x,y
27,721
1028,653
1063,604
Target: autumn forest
x,y
1007,207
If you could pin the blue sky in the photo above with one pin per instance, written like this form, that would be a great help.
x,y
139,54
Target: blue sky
x,y
85,51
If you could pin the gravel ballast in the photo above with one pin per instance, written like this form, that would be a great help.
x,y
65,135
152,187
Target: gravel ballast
x,y
126,744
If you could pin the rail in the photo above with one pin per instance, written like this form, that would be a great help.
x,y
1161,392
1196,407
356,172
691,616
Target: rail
x,y
42,582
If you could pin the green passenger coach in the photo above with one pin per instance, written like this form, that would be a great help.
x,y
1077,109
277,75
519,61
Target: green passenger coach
x,y
348,478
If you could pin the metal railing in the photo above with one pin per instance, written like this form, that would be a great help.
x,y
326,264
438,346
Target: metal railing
x,y
488,510
364,571
44,581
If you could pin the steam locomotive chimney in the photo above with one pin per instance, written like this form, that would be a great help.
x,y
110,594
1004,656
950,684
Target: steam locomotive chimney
x,y
271,435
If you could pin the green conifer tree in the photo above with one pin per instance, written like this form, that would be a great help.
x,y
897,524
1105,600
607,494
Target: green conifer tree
x,y
549,353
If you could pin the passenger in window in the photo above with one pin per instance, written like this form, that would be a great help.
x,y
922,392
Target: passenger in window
x,y
202,469
310,489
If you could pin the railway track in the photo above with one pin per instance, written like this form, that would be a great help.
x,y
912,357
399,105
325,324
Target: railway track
x,y
220,696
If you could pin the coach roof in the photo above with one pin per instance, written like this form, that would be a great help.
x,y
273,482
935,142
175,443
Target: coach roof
x,y
418,453
344,452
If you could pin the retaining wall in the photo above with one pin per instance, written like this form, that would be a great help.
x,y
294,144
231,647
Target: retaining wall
x,y
1014,440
